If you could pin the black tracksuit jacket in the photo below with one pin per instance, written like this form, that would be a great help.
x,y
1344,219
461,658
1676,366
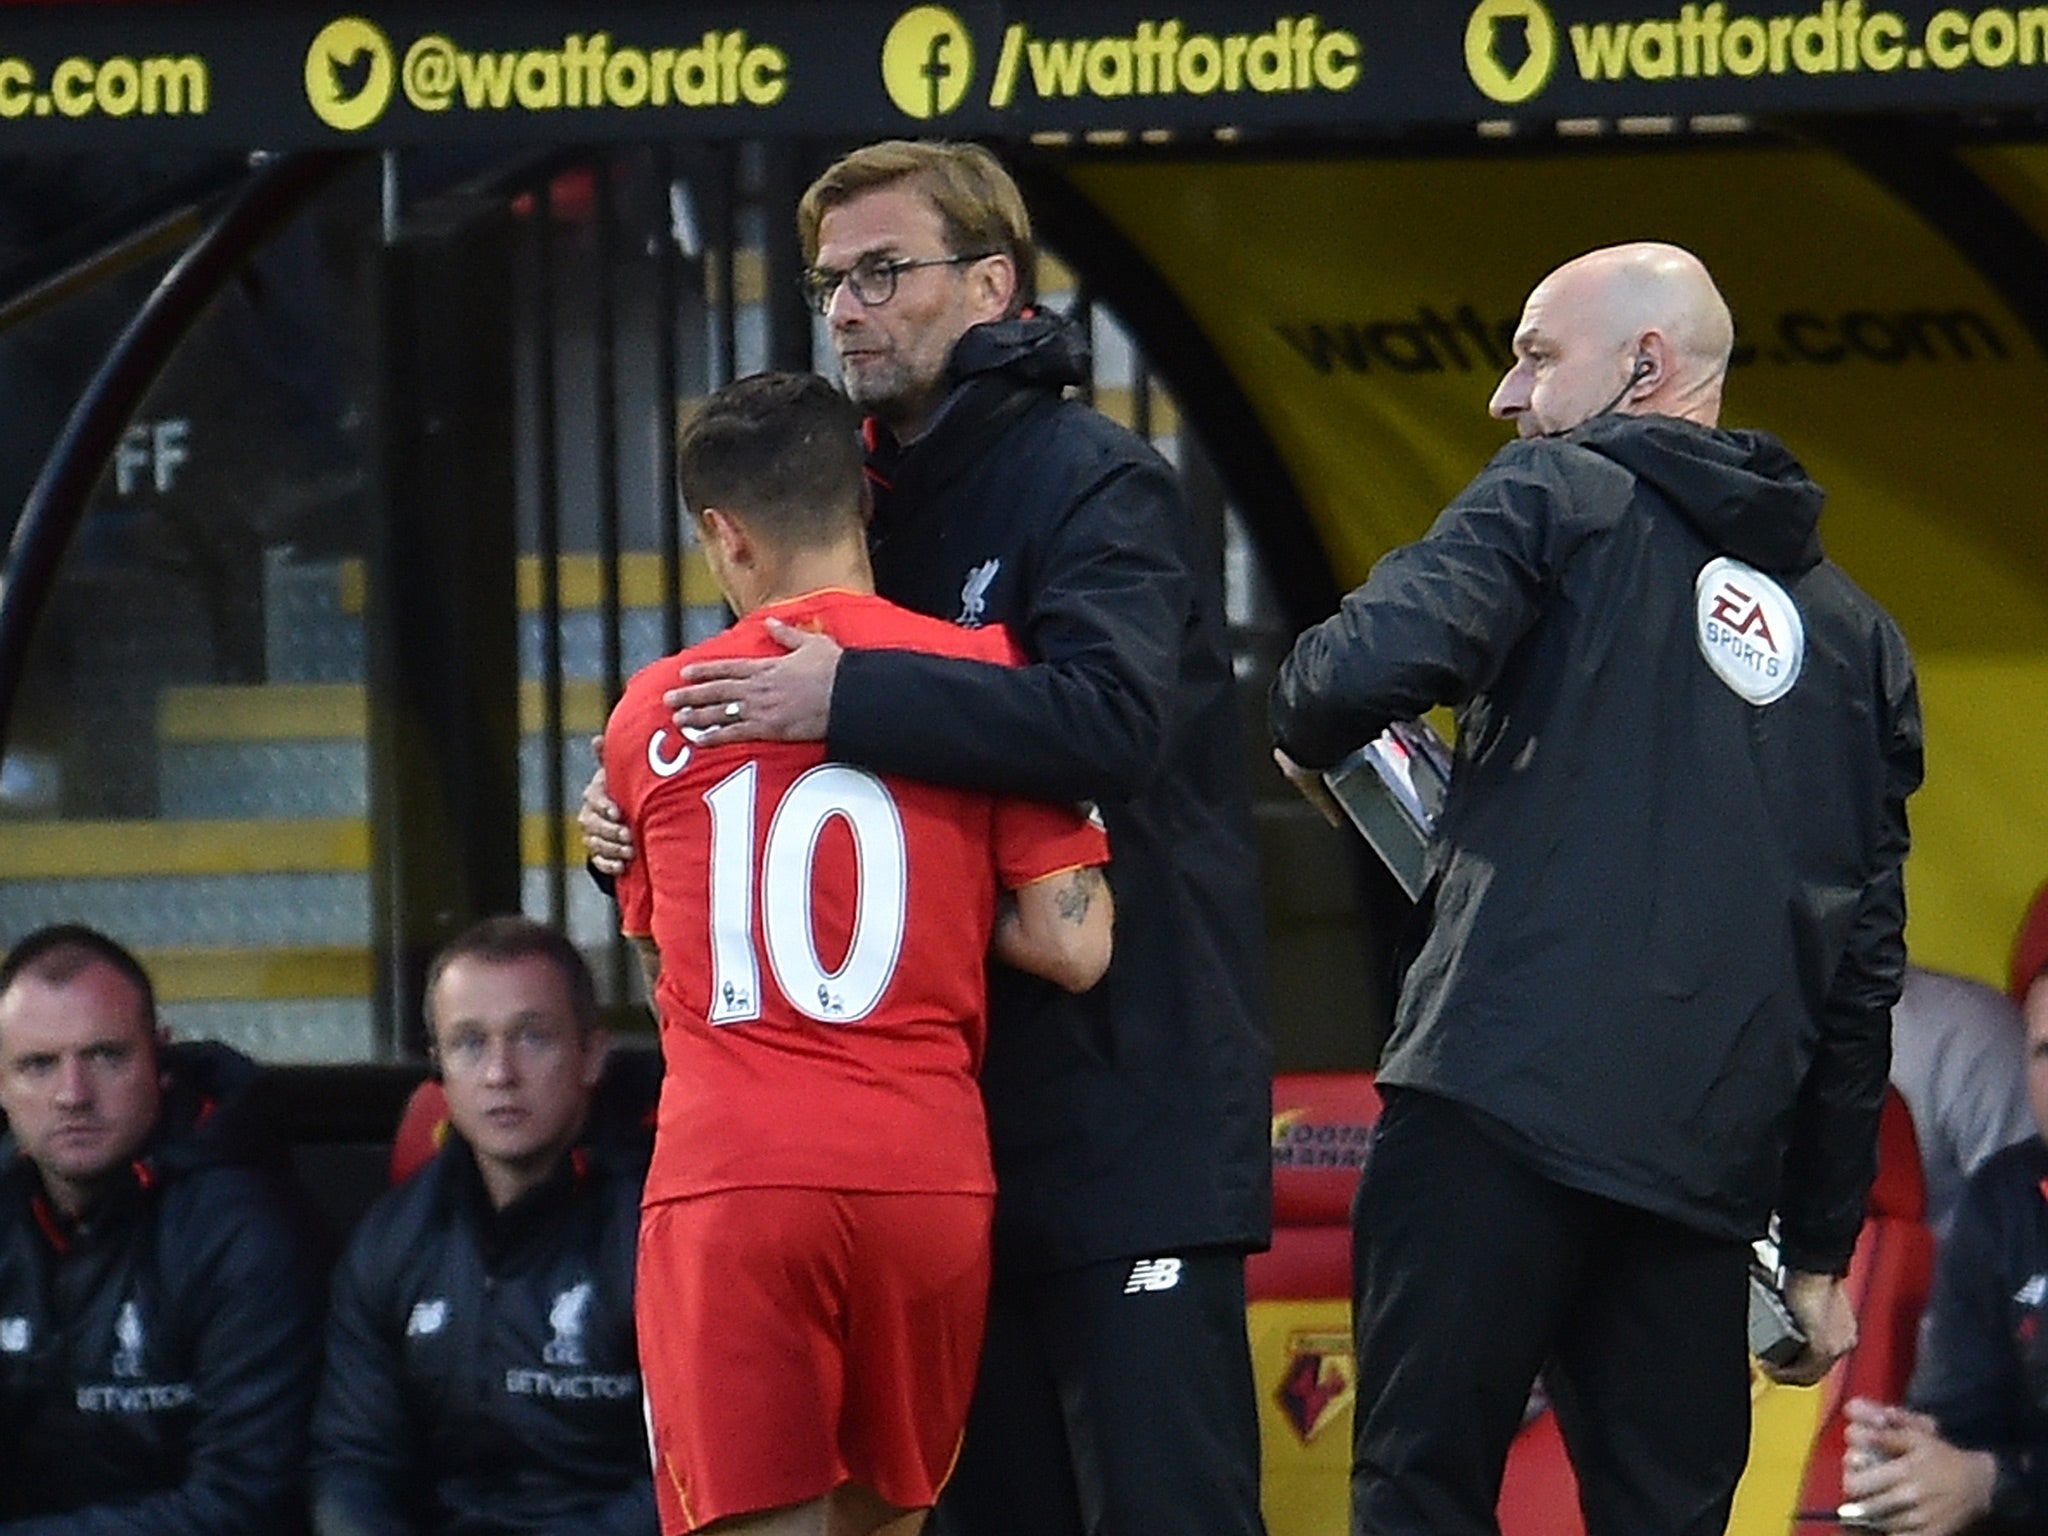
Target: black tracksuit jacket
x,y
482,1376
1662,933
1983,1367
1133,1119
158,1361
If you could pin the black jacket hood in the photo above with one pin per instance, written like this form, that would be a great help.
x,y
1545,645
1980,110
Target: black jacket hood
x,y
1742,490
214,1112
998,373
1039,347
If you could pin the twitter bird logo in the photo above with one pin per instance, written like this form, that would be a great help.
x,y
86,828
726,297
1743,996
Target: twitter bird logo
x,y
349,74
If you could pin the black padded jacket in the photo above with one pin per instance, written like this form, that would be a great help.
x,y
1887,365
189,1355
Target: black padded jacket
x,y
158,1360
1662,931
482,1377
1133,1119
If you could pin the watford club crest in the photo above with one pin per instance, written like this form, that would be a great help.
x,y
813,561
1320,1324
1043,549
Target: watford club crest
x,y
1319,1383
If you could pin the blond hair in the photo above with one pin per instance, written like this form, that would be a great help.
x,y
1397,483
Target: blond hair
x,y
980,206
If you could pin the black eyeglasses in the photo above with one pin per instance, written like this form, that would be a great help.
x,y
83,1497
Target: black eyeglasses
x,y
872,278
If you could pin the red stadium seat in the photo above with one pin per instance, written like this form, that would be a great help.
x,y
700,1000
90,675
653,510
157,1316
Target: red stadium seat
x,y
421,1130
2029,947
1888,1282
1300,1325
1300,1300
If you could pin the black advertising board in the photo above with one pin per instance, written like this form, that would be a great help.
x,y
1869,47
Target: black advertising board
x,y
283,76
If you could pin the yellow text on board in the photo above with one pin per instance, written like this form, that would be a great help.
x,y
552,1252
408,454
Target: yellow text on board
x,y
1161,58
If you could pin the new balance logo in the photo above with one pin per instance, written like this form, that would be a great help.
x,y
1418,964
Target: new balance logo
x,y
1153,1275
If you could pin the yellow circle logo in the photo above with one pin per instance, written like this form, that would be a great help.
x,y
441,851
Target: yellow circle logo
x,y
348,74
927,61
1495,22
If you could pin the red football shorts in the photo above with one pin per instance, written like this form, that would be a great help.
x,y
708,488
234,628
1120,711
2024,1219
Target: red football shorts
x,y
792,1340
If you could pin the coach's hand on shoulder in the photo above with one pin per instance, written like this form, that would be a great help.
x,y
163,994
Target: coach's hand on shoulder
x,y
1820,1305
754,698
605,837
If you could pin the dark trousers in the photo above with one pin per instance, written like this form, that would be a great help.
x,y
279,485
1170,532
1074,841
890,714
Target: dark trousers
x,y
1114,1400
1472,1274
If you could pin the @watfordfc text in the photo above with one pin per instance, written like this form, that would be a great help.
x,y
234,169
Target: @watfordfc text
x,y
353,73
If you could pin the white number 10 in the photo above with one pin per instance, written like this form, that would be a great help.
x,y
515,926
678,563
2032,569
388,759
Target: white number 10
x,y
785,876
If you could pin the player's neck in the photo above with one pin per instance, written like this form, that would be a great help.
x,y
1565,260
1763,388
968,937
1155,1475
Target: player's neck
x,y
802,571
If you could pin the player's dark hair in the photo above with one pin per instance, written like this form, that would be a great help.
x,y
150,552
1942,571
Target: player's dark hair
x,y
501,939
781,450
59,952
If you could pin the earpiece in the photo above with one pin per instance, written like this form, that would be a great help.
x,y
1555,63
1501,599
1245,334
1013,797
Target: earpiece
x,y
1644,365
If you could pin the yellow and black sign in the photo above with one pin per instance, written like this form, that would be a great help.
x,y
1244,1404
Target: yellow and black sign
x,y
348,74
1490,22
1365,310
113,88
283,77
928,62
286,76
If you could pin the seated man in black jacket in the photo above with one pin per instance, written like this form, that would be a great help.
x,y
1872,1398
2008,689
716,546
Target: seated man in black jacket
x,y
159,1313
1972,1452
481,1368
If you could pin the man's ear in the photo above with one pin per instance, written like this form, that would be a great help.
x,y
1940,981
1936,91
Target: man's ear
x,y
1650,368
992,285
728,533
597,1046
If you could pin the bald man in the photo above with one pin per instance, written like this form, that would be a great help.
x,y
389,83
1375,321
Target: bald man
x,y
1661,936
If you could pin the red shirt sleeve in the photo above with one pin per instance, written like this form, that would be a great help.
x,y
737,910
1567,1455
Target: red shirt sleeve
x,y
1034,840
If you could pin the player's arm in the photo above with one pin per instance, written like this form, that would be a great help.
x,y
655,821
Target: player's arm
x,y
1058,928
627,878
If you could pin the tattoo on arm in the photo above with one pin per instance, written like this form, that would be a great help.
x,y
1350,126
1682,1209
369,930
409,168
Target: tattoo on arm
x,y
1077,895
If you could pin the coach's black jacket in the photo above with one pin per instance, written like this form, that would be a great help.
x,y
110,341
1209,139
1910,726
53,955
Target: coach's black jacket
x,y
1663,931
1983,1367
1133,1119
482,1378
158,1360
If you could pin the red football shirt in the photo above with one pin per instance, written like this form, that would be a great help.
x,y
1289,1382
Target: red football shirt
x,y
822,933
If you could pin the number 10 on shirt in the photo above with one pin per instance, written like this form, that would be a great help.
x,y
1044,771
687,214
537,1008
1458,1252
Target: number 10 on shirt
x,y
786,880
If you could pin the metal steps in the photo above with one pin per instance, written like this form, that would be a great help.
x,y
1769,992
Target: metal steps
x,y
248,895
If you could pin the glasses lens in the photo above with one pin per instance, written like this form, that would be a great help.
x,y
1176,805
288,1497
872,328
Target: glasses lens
x,y
873,281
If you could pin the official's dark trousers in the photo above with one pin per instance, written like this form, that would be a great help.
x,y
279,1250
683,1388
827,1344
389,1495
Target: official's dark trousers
x,y
1473,1273
1114,1400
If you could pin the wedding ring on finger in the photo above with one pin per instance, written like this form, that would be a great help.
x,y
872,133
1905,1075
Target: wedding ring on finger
x,y
732,710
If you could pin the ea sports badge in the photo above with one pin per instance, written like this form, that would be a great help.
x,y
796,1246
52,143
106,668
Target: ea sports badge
x,y
1749,630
